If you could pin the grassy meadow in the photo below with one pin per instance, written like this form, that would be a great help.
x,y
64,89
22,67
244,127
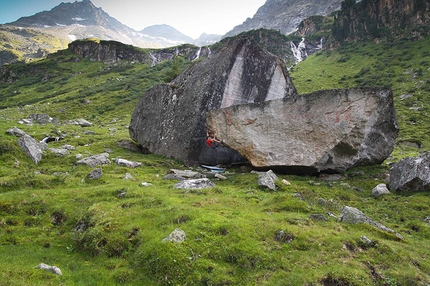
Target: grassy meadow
x,y
109,231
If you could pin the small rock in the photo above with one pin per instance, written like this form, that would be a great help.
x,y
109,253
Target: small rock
x,y
128,176
186,174
84,123
267,180
53,269
194,184
95,174
145,184
95,160
380,190
68,147
127,163
219,176
15,132
365,239
176,236
285,182
59,152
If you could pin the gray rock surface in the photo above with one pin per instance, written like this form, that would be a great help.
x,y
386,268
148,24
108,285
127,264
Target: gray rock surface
x,y
176,236
170,119
267,180
285,15
331,130
380,190
95,174
95,160
53,269
411,174
195,184
354,216
59,151
127,163
15,132
31,147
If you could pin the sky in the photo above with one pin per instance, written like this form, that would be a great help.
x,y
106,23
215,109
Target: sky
x,y
190,17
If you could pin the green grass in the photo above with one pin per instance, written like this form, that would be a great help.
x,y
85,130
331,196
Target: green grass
x,y
109,231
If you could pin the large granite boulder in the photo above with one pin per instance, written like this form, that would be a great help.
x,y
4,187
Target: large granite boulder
x,y
326,131
411,174
170,119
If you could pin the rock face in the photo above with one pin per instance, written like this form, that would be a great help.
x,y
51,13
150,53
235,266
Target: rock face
x,y
411,174
170,119
285,15
328,131
31,147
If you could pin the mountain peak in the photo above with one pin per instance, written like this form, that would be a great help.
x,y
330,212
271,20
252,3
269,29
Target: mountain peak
x,y
83,13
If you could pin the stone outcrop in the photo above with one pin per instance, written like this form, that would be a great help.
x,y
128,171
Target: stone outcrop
x,y
411,174
52,269
326,131
95,160
170,119
195,184
285,15
355,216
31,147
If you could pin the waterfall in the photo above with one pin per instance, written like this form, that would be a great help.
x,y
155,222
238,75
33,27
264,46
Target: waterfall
x,y
154,59
198,53
320,46
299,52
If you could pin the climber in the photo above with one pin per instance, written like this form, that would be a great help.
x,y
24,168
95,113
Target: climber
x,y
211,139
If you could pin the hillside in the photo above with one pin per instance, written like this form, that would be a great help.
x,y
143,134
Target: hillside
x,y
110,231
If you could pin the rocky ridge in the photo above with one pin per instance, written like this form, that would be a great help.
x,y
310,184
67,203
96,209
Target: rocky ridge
x,y
285,15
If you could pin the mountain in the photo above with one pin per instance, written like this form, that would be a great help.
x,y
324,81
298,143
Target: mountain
x,y
285,15
167,32
48,31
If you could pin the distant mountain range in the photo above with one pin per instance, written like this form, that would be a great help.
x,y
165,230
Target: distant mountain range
x,y
48,31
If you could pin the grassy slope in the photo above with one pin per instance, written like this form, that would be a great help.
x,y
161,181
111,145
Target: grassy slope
x,y
231,228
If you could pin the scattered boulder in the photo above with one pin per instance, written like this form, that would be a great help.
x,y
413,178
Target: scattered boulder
x,y
176,236
145,184
186,174
95,160
326,131
355,216
411,174
53,269
127,163
81,122
380,190
128,176
42,118
84,123
31,147
15,132
95,174
267,180
68,147
195,184
59,151
170,119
